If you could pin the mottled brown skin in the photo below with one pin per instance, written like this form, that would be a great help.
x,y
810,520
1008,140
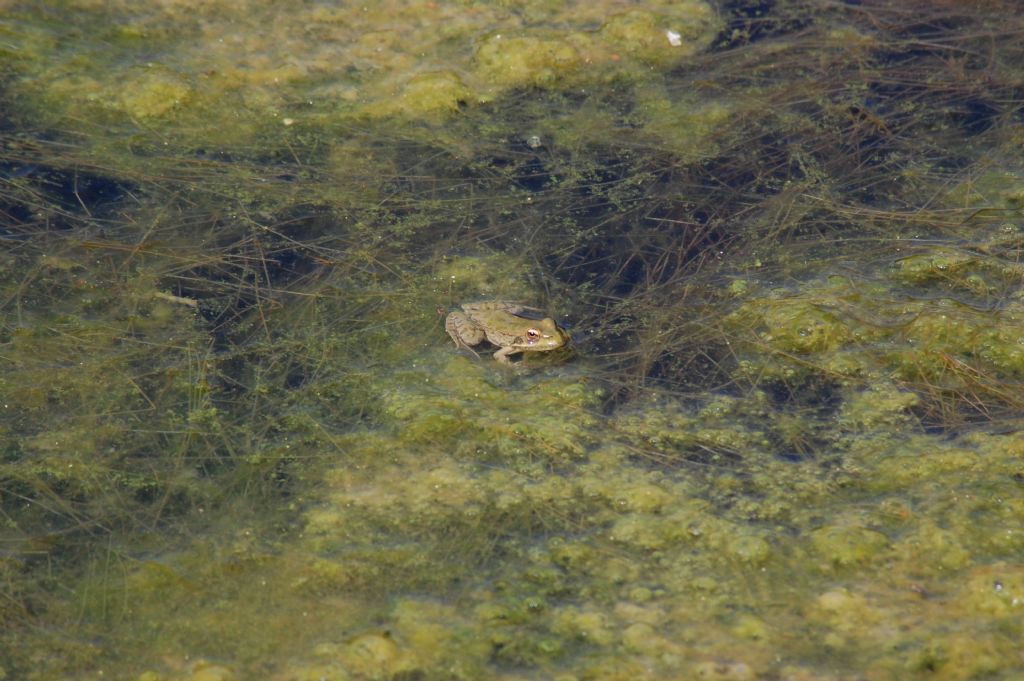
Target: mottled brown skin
x,y
499,323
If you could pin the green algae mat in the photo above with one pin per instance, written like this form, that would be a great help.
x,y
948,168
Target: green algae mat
x,y
785,442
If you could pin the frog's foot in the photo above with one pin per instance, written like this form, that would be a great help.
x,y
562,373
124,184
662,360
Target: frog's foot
x,y
502,355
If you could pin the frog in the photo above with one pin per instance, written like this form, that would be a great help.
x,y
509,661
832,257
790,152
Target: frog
x,y
502,323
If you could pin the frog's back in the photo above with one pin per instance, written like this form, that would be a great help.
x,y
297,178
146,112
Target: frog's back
x,y
492,306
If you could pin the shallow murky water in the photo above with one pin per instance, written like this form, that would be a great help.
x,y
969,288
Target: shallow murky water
x,y
238,444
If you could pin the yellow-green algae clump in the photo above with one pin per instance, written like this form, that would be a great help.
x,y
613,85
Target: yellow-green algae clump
x,y
250,63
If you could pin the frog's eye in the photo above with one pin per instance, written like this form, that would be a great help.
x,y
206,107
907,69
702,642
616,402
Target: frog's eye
x,y
532,334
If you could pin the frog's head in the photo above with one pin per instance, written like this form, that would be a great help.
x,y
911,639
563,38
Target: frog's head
x,y
542,334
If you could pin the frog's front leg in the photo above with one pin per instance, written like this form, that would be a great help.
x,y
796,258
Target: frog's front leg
x,y
502,355
463,331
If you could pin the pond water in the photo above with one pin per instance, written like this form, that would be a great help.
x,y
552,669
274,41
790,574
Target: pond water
x,y
785,237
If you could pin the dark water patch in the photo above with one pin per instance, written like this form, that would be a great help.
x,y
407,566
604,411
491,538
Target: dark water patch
x,y
633,229
978,115
218,155
926,32
814,394
525,165
40,196
761,168
752,21
251,266
706,366
951,413
89,192
966,104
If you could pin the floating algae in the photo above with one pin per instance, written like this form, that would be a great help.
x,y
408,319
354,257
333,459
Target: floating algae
x,y
237,442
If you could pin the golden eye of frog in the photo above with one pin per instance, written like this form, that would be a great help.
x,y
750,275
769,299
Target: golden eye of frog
x,y
500,323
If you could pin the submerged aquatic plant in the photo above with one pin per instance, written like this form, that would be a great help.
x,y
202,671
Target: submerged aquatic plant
x,y
785,236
